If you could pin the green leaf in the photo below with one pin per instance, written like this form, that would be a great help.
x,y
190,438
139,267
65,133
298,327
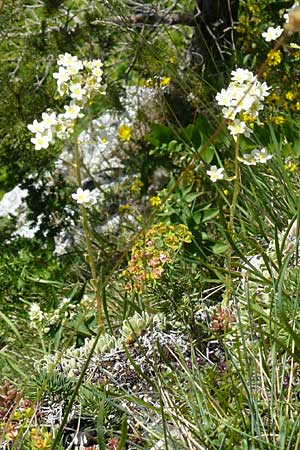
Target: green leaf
x,y
191,196
220,247
208,154
160,134
100,427
210,214
12,326
197,217
124,430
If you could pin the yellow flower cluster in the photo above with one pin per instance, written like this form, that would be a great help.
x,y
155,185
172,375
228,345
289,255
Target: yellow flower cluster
x,y
41,440
136,187
151,252
290,166
249,119
288,100
155,201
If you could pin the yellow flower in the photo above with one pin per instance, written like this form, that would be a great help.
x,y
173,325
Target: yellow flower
x,y
123,209
279,120
225,191
125,133
155,201
274,97
293,167
274,58
136,186
165,81
248,118
297,106
290,95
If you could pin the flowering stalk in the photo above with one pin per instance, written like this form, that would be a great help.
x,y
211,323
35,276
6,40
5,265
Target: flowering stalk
x,y
88,239
80,80
236,189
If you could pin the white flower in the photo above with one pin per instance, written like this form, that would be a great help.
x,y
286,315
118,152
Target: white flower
x,y
272,33
256,156
215,174
49,120
84,197
223,98
12,201
62,76
248,159
263,90
97,63
66,60
93,64
261,156
41,141
64,127
246,102
74,68
77,92
72,111
239,127
36,127
97,72
242,75
229,113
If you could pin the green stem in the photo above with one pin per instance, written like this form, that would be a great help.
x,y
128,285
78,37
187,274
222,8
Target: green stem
x,y
88,240
236,189
236,186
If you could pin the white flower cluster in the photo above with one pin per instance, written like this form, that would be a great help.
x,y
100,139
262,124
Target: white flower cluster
x,y
80,80
241,100
42,321
36,315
